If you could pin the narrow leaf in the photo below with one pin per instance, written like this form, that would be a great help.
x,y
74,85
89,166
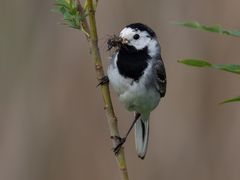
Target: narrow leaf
x,y
209,28
233,68
235,99
195,62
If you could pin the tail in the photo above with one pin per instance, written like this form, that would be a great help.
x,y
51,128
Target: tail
x,y
142,134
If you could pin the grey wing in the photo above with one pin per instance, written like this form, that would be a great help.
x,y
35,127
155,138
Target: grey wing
x,y
161,82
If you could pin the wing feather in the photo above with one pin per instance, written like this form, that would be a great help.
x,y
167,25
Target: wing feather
x,y
161,82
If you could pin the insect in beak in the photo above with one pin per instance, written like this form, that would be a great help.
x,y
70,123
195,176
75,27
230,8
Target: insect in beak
x,y
116,42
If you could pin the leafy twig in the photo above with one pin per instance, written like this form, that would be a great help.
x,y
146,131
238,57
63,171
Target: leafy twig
x,y
84,22
211,28
233,68
70,13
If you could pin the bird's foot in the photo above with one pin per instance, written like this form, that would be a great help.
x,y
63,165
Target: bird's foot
x,y
104,80
120,142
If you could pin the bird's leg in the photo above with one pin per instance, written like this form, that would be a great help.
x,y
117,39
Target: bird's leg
x,y
120,140
104,80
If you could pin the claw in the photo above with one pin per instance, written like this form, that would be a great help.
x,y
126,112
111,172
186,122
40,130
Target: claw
x,y
104,80
117,149
120,142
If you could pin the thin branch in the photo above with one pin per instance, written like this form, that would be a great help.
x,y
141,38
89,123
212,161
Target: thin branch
x,y
84,23
112,120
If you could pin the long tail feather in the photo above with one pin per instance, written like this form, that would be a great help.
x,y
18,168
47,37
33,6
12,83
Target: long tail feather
x,y
142,134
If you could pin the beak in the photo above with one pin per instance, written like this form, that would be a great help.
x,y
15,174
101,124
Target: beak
x,y
125,41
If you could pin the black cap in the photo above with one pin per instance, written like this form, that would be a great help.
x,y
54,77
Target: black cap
x,y
142,27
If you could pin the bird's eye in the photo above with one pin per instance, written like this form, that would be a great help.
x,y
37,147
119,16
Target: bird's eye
x,y
136,36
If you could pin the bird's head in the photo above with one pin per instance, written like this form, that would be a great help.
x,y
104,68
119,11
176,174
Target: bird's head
x,y
138,36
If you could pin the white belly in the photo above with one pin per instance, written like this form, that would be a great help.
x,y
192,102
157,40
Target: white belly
x,y
134,95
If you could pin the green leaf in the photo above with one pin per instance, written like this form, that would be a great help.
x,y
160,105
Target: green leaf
x,y
195,62
233,68
212,28
234,33
70,12
235,99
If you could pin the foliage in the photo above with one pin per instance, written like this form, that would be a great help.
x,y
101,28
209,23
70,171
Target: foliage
x,y
212,28
69,10
233,68
235,99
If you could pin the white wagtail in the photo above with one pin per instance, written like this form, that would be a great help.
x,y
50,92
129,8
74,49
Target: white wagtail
x,y
137,73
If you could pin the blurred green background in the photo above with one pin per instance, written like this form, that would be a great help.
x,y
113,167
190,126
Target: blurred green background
x,y
52,123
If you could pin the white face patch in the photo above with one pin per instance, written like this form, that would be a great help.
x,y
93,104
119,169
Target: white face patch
x,y
144,40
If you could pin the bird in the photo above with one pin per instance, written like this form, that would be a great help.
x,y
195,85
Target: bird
x,y
137,74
